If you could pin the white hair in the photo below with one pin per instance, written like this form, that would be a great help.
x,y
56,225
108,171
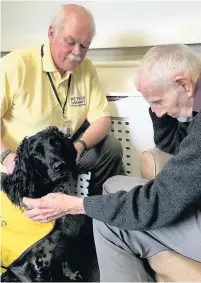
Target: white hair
x,y
59,16
161,63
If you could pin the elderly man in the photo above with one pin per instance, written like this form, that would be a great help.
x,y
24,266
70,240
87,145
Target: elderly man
x,y
55,85
135,218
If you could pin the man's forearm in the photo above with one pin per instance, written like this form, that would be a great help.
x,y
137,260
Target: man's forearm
x,y
77,205
97,131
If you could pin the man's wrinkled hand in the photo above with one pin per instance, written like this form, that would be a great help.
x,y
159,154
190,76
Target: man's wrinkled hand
x,y
52,206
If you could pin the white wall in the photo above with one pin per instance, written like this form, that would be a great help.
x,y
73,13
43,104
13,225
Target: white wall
x,y
119,23
117,78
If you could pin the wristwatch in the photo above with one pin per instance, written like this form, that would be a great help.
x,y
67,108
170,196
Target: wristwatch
x,y
4,154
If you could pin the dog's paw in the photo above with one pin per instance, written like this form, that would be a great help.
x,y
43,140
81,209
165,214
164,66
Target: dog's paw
x,y
74,276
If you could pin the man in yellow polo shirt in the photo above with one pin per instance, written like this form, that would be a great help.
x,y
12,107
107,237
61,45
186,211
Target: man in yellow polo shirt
x,y
55,84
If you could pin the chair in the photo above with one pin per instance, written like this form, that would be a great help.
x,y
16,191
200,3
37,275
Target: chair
x,y
168,265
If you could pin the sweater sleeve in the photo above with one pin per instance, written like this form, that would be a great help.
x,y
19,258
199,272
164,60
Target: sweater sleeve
x,y
168,132
176,190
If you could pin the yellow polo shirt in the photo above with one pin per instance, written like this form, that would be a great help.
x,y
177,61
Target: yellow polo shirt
x,y
28,103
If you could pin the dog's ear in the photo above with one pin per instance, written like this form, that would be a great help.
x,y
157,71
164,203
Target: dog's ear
x,y
74,164
72,154
20,182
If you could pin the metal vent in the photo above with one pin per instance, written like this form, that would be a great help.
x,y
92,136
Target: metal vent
x,y
120,129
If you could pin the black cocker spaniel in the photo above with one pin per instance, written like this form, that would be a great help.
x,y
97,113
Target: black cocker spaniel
x,y
44,162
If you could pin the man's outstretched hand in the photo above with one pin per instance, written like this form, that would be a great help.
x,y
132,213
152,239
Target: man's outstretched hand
x,y
52,206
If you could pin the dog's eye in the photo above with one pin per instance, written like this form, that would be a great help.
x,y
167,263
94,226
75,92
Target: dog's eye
x,y
56,143
39,151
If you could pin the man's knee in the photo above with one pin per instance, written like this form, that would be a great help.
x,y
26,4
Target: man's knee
x,y
119,182
97,227
100,229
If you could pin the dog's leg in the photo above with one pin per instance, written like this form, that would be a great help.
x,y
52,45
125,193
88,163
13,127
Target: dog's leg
x,y
42,259
67,272
61,268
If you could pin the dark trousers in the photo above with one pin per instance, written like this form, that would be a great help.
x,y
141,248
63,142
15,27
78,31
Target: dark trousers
x,y
103,161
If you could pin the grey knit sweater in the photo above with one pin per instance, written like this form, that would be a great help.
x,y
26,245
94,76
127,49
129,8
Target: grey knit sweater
x,y
175,192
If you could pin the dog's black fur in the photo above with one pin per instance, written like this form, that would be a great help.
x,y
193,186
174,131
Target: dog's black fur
x,y
43,164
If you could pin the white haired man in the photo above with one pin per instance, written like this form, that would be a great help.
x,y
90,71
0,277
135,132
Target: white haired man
x,y
136,218
55,85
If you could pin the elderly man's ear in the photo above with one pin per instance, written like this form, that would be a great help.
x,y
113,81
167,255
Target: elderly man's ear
x,y
51,33
185,83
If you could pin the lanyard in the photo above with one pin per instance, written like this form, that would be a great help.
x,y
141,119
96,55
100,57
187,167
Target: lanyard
x,y
54,89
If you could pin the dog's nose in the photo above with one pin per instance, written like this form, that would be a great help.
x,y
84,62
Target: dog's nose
x,y
58,166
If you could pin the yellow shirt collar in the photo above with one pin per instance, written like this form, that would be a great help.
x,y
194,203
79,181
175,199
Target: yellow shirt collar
x,y
48,64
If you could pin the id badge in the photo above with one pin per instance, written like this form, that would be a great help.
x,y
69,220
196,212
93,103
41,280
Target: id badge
x,y
66,131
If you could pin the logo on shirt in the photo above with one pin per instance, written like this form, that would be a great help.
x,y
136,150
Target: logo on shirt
x,y
78,101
